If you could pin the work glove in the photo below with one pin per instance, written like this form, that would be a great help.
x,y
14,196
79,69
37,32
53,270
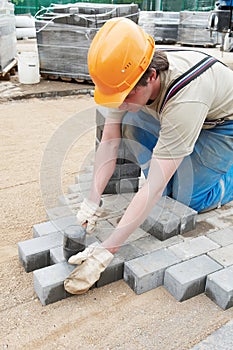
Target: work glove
x,y
91,262
88,213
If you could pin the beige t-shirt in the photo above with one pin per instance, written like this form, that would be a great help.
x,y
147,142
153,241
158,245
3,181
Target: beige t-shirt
x,y
208,97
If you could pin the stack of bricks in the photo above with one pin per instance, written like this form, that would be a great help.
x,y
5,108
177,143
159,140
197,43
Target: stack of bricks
x,y
125,178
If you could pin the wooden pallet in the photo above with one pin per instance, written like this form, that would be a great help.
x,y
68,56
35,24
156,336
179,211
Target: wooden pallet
x,y
196,44
9,70
66,78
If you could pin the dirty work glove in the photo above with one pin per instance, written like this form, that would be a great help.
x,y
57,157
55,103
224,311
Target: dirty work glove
x,y
91,262
89,213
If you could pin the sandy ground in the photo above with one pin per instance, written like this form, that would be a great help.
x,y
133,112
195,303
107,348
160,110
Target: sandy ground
x,y
111,317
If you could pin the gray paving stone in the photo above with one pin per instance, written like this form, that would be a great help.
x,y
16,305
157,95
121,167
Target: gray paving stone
x,y
149,243
35,253
116,186
193,247
57,225
103,230
114,221
84,177
187,279
161,223
129,185
222,237
113,187
128,252
82,188
56,255
126,170
113,273
71,199
219,287
115,202
49,282
187,215
136,235
43,229
222,339
220,222
147,272
223,256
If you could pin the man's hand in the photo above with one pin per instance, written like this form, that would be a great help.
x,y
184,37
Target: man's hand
x,y
88,214
91,262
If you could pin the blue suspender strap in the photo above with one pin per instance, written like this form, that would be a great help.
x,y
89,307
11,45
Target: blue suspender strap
x,y
187,77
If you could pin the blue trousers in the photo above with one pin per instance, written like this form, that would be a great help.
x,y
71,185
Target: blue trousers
x,y
204,180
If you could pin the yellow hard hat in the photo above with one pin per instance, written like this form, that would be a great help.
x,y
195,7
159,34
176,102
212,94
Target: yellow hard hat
x,y
118,56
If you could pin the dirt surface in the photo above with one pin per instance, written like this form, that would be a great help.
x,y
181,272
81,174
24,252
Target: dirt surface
x,y
112,317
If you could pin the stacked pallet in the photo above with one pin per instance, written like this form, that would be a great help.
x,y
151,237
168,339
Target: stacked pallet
x,y
7,38
65,32
193,29
25,26
162,26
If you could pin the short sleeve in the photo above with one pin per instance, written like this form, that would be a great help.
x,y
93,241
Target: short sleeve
x,y
181,124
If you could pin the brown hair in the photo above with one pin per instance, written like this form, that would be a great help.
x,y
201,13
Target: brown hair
x,y
159,63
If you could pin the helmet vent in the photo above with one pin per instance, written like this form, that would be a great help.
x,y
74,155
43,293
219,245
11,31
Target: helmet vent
x,y
128,65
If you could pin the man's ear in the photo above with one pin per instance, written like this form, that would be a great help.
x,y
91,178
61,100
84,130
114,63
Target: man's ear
x,y
153,75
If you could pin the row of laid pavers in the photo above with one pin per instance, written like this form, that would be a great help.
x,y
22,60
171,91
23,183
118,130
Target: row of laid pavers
x,y
185,266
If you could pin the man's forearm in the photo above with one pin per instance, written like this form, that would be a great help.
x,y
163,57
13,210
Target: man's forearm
x,y
143,202
105,162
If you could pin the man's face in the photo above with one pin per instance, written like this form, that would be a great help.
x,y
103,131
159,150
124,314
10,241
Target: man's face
x,y
137,98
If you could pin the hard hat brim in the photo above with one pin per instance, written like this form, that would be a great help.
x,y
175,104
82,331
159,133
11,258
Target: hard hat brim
x,y
111,101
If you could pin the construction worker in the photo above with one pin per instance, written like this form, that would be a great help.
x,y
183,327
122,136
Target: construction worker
x,y
175,109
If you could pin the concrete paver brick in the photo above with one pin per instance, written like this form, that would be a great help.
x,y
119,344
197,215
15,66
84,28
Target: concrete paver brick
x,y
129,185
115,202
116,186
161,223
82,188
220,222
150,243
113,187
222,339
186,214
187,279
136,235
84,177
35,253
60,213
222,237
147,272
56,255
57,225
49,282
128,252
126,170
219,287
71,199
193,247
223,256
103,230
43,229
113,272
